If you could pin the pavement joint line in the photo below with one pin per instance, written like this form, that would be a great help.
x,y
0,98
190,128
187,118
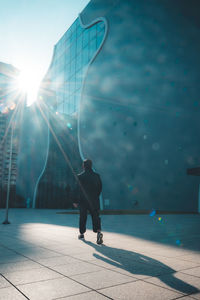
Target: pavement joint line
x,y
15,287
116,271
41,280
163,287
190,295
181,271
91,289
168,288
83,293
183,296
89,262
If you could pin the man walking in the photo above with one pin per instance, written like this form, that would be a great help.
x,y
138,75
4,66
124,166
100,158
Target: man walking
x,y
89,187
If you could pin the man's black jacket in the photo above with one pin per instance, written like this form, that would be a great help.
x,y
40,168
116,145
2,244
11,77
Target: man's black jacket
x,y
89,187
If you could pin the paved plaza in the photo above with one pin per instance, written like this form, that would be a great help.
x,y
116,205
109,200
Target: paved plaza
x,y
143,257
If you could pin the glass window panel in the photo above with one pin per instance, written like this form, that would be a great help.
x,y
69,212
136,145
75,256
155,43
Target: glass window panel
x,y
67,70
72,84
73,50
66,90
100,26
85,56
92,48
67,35
78,83
78,62
71,104
66,107
62,89
79,44
61,61
85,37
79,30
84,69
67,51
72,69
93,32
60,107
73,26
100,38
76,101
73,37
79,77
59,97
69,86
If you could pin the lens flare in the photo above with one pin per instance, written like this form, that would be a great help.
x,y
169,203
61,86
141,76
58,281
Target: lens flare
x,y
28,83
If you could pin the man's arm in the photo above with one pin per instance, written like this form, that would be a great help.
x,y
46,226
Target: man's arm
x,y
76,194
99,184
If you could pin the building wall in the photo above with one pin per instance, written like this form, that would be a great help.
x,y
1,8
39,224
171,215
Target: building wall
x,y
140,109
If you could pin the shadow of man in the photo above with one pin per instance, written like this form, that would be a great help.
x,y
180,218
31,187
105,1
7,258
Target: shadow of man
x,y
140,264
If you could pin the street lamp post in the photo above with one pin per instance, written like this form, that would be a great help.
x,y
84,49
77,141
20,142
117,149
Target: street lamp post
x,y
9,175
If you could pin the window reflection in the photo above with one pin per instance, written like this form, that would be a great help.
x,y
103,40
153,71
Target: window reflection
x,y
72,55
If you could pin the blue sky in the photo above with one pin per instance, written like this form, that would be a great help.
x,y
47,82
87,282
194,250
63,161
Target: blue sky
x,y
29,29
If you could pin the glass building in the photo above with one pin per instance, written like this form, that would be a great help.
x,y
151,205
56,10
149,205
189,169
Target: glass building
x,y
59,101
72,55
10,114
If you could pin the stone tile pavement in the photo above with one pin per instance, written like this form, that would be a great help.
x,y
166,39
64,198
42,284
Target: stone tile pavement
x,y
142,257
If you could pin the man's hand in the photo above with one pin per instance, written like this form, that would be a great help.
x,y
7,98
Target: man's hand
x,y
75,205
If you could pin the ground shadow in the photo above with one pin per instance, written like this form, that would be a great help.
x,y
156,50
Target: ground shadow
x,y
140,264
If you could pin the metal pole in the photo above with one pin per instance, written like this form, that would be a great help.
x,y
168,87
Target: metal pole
x,y
9,176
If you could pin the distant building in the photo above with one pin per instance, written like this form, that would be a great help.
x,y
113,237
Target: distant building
x,y
128,71
9,134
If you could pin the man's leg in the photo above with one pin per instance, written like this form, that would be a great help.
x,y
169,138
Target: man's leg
x,y
96,222
82,220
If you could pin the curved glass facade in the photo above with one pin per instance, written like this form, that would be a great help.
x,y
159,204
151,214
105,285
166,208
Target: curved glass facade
x,y
72,56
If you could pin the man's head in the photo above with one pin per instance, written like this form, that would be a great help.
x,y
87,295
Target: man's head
x,y
87,164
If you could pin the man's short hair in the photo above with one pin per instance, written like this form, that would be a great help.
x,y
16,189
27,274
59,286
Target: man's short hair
x,y
87,164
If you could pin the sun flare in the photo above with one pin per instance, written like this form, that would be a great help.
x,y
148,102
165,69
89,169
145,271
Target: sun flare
x,y
28,83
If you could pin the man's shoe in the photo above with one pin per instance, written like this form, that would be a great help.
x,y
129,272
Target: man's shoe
x,y
99,238
81,236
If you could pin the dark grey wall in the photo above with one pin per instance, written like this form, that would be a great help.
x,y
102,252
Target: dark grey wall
x,y
140,108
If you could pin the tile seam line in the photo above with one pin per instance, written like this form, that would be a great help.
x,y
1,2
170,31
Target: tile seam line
x,y
20,284
81,294
164,288
81,260
172,290
184,297
181,271
64,276
15,287
90,262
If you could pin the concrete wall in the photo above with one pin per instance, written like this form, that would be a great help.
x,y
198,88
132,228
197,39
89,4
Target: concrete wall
x,y
140,109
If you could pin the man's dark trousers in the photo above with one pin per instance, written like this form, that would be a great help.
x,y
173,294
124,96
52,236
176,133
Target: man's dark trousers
x,y
96,220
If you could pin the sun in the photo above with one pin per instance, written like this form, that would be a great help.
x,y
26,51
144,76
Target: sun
x,y
28,83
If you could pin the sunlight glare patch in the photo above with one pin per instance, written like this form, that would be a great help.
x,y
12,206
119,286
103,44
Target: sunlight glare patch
x,y
28,83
